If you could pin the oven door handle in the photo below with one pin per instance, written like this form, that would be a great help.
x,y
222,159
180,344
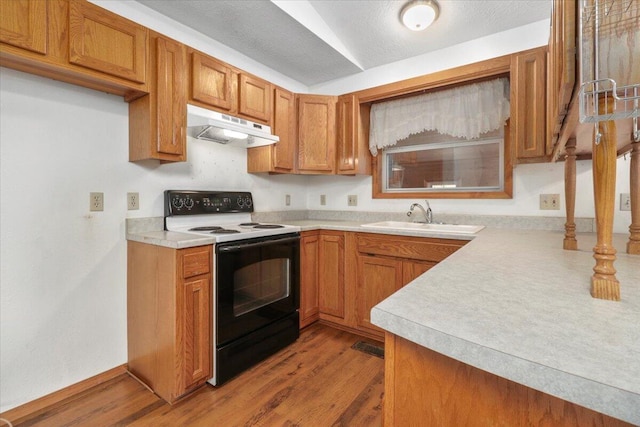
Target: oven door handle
x,y
240,246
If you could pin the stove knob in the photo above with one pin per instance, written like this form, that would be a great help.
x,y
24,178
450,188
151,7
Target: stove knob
x,y
240,202
248,202
177,203
188,203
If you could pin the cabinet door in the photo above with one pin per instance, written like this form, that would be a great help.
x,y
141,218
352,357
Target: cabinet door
x,y
171,97
195,320
103,41
211,82
378,278
331,274
23,23
316,134
284,125
346,133
309,246
278,157
528,104
255,98
561,66
412,269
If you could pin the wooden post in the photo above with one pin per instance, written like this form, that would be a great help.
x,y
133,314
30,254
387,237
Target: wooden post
x,y
633,246
570,242
604,284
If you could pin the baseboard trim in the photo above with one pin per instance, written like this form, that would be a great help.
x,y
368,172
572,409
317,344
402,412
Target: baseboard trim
x,y
16,414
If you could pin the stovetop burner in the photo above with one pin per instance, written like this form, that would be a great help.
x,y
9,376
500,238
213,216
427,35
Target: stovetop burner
x,y
269,226
206,228
224,231
249,224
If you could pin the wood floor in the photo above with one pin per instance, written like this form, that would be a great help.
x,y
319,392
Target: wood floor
x,y
318,381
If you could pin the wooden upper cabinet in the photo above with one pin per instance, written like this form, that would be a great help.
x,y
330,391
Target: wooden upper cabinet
x,y
316,134
254,98
76,42
23,23
561,66
171,111
157,121
211,82
105,42
278,157
528,105
352,136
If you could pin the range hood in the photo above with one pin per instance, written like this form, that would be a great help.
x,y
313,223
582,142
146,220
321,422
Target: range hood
x,y
210,125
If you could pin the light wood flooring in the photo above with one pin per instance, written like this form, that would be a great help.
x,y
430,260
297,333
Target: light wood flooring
x,y
317,381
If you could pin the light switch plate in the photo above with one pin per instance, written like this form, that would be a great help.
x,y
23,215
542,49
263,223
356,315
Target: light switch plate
x,y
352,200
287,199
323,199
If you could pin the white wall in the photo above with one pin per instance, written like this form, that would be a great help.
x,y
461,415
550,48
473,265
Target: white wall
x,y
63,276
63,271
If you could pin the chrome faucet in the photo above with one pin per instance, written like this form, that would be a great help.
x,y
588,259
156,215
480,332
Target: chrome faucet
x,y
428,213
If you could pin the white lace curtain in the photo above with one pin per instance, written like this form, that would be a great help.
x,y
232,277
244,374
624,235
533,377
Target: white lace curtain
x,y
463,112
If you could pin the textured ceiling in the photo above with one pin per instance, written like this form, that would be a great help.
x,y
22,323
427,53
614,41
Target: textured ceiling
x,y
315,41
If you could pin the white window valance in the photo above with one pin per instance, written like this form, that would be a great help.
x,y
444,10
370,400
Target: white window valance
x,y
463,112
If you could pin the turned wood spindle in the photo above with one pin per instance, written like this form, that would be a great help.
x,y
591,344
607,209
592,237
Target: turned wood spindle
x,y
570,242
633,246
604,284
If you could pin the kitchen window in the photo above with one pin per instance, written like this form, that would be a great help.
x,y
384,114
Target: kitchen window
x,y
433,163
448,143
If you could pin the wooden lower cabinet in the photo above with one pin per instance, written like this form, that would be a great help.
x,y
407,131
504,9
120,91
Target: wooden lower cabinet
x,y
331,274
423,387
309,308
345,274
378,278
386,263
322,290
169,317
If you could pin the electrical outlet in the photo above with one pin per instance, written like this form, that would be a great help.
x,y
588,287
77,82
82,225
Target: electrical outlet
x,y
133,201
625,202
323,199
96,202
287,200
550,202
352,200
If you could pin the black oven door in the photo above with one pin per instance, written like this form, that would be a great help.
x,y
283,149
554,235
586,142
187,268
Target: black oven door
x,y
257,283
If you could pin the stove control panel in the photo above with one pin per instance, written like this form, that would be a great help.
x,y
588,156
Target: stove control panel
x,y
182,202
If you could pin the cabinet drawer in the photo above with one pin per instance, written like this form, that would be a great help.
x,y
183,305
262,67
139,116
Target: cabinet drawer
x,y
417,248
196,261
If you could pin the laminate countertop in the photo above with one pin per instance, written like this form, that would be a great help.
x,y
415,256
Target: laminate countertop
x,y
515,304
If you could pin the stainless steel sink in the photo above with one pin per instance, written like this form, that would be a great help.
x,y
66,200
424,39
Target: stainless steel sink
x,y
432,228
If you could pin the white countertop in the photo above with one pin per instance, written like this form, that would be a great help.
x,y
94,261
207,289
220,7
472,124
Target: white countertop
x,y
515,304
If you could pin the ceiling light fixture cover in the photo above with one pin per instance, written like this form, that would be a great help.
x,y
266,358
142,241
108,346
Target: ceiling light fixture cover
x,y
419,14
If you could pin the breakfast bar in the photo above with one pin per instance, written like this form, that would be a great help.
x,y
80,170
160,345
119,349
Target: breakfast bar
x,y
516,306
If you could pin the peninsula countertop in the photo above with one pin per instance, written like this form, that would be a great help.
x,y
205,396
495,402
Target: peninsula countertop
x,y
515,304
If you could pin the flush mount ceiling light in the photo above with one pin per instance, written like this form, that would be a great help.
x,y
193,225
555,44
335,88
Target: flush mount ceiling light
x,y
419,14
